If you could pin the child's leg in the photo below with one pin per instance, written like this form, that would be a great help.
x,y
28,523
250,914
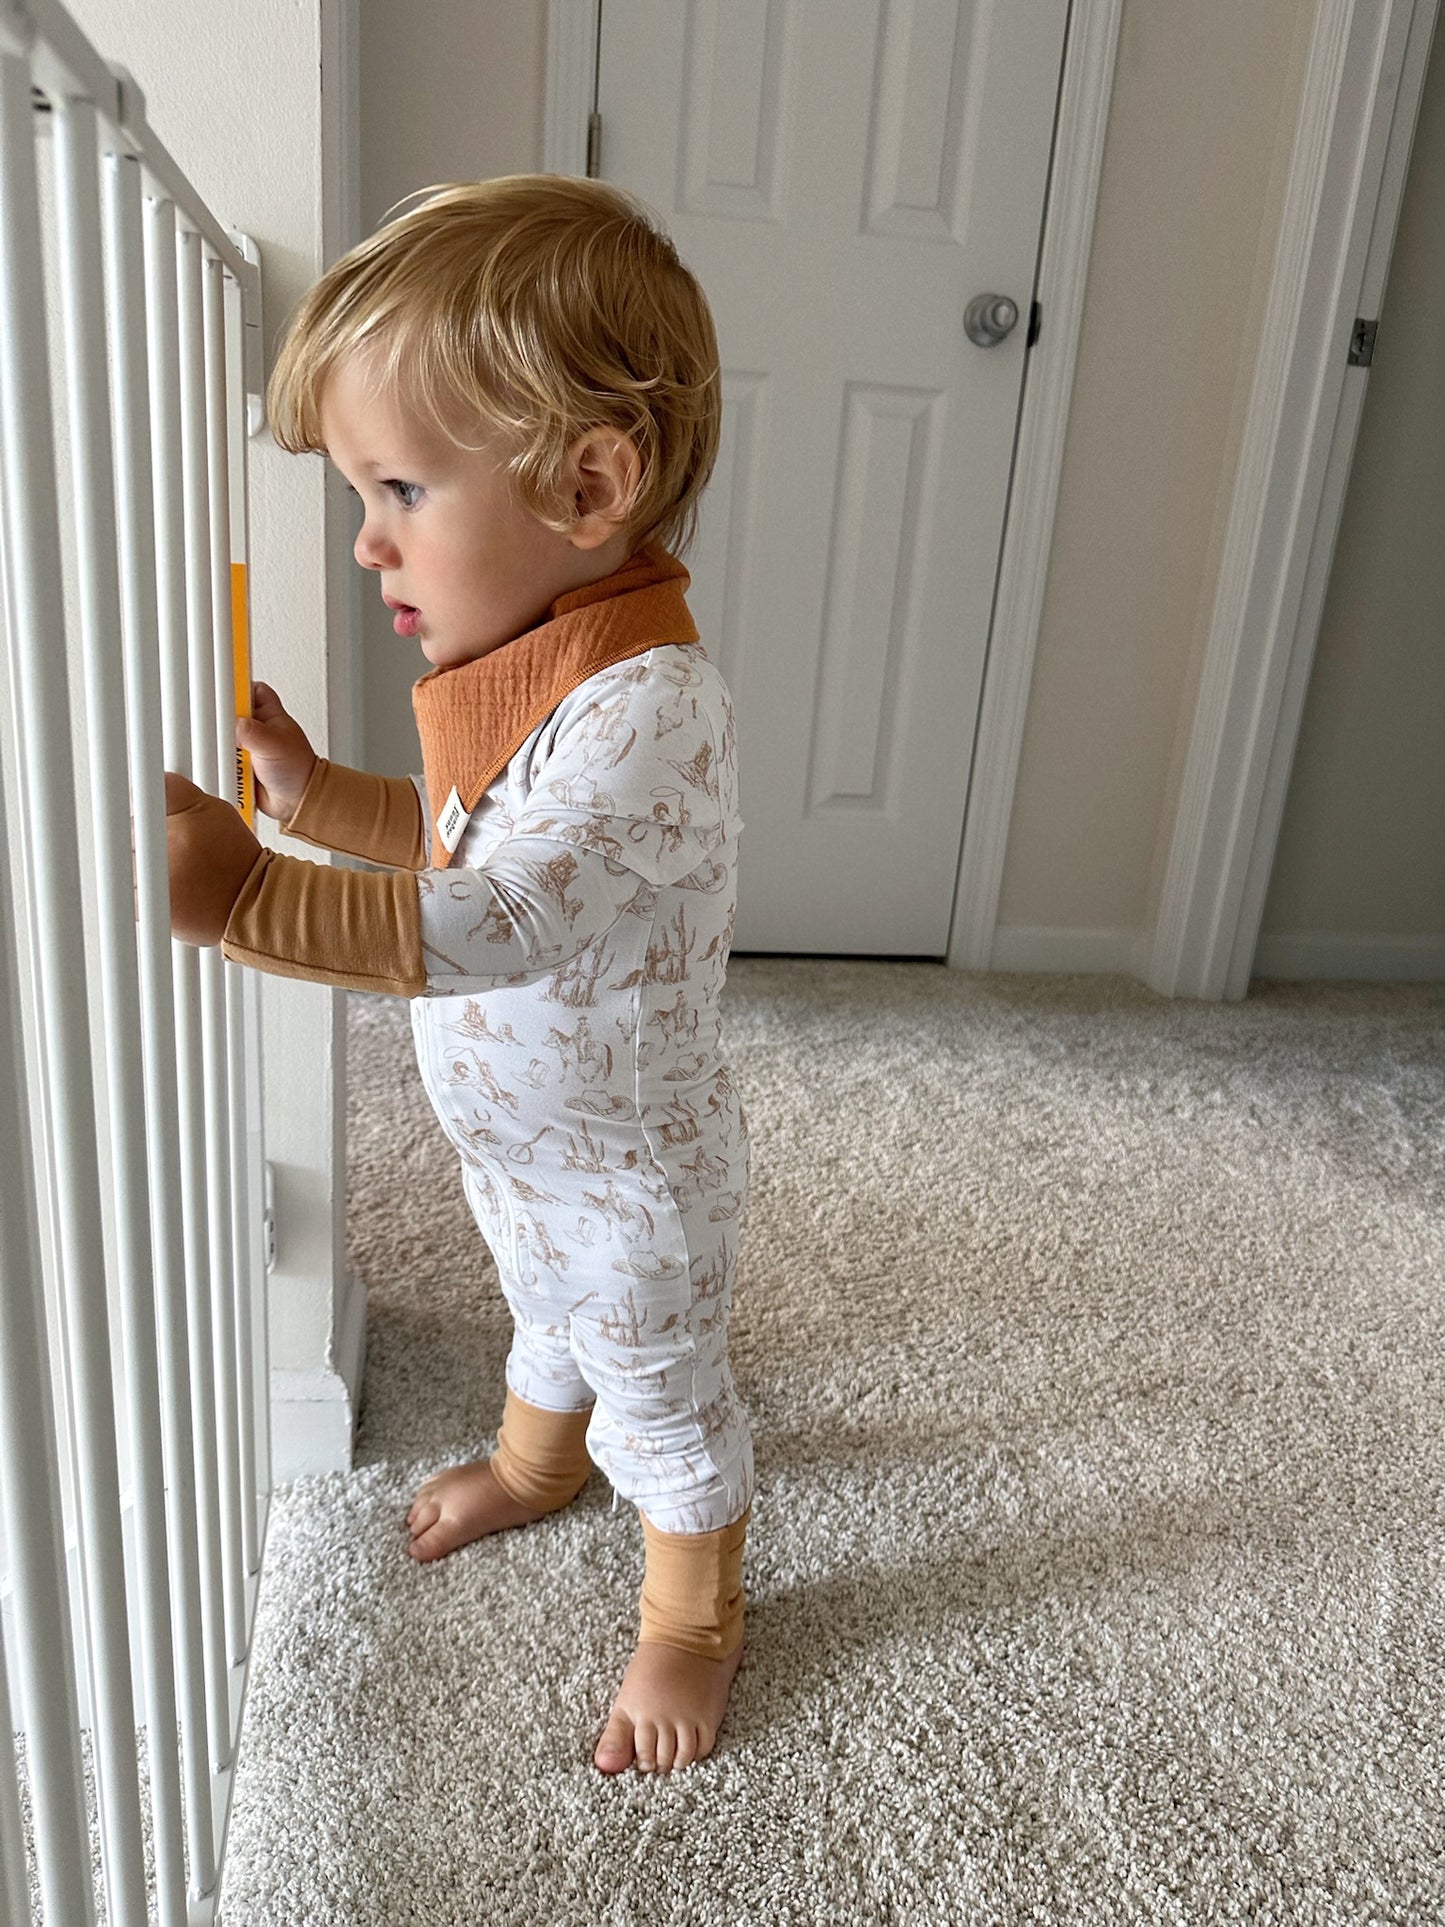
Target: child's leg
x,y
692,1589
671,1434
674,1694
539,1466
541,1456
541,1462
669,1430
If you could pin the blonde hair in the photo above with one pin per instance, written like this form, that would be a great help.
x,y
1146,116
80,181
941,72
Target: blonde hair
x,y
537,306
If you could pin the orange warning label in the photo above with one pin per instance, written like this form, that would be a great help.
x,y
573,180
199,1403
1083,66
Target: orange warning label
x,y
241,649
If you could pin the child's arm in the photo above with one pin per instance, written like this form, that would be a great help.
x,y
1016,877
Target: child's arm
x,y
636,791
360,931
378,818
535,905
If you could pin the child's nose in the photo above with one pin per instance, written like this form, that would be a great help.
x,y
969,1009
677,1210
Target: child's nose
x,y
373,550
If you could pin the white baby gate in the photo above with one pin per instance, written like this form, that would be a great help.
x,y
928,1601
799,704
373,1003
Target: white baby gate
x,y
134,1426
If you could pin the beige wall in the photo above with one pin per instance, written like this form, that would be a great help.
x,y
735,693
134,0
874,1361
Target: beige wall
x,y
462,102
1362,845
1200,128
1200,133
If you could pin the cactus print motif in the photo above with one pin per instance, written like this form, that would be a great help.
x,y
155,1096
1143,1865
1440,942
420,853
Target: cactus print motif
x,y
569,1038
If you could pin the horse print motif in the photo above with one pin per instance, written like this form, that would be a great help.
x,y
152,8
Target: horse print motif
x,y
570,1042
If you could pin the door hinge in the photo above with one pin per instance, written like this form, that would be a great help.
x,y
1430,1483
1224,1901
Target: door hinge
x,y
1362,343
268,1216
594,146
1036,322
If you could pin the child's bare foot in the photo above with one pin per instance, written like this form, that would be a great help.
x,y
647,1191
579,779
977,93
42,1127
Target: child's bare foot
x,y
667,1710
461,1504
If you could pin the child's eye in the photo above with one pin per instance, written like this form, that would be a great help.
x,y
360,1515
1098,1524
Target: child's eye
x,y
407,493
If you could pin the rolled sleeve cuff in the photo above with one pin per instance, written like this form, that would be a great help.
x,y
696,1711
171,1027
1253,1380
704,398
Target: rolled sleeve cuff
x,y
377,818
354,929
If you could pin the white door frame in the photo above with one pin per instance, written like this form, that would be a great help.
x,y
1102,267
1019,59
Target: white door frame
x,y
1342,206
1352,146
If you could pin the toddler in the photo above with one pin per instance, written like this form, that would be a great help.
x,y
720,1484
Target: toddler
x,y
519,379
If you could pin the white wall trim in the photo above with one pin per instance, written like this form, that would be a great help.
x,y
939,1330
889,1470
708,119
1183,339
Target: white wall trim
x,y
1068,953
1085,96
1394,959
1357,121
314,1413
572,30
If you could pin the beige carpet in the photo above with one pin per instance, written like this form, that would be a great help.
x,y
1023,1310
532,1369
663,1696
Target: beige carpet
x,y
1095,1348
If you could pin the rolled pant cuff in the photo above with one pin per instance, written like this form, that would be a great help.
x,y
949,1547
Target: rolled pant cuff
x,y
692,1588
541,1456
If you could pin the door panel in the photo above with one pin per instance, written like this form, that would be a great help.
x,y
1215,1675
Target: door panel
x,y
844,179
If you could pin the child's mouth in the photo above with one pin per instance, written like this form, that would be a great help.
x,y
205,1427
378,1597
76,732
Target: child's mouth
x,y
407,620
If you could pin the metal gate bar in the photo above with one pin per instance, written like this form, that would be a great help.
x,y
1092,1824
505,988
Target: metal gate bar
x,y
156,1267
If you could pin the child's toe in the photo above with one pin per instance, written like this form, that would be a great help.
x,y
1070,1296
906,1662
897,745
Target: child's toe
x,y
645,1740
432,1542
614,1749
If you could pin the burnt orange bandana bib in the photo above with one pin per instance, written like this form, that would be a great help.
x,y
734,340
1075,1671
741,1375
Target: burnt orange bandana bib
x,y
475,717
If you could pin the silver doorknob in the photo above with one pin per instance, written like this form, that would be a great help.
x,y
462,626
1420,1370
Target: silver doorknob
x,y
989,317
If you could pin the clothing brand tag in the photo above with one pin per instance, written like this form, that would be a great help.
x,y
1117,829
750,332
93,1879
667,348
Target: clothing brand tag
x,y
452,821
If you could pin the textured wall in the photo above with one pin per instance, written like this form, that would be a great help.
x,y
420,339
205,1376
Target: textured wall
x,y
461,102
1195,162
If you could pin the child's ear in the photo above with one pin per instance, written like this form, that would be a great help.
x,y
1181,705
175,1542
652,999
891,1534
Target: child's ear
x,y
606,470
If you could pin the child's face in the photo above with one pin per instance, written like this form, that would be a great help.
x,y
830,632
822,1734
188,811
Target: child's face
x,y
464,565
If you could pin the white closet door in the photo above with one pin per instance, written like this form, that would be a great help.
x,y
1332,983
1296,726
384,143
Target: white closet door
x,y
845,177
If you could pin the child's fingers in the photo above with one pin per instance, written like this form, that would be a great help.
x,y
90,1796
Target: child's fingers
x,y
260,732
266,705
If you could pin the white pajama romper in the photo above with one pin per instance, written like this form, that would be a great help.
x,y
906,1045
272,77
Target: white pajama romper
x,y
569,1039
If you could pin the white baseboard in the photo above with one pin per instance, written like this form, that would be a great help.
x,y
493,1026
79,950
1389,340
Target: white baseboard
x,y
313,1413
1361,959
1326,956
1067,953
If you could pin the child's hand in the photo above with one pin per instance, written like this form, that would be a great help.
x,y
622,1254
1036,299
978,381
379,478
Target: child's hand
x,y
281,758
211,853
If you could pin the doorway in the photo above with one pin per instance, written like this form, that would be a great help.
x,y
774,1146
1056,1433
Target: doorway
x,y
861,193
